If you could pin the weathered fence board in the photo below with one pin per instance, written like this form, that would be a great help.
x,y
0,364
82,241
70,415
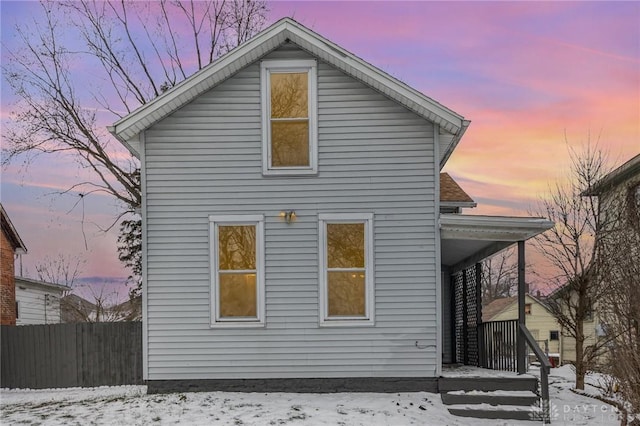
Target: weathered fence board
x,y
69,355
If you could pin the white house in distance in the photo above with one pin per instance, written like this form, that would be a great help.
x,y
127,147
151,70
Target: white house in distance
x,y
292,229
541,322
38,302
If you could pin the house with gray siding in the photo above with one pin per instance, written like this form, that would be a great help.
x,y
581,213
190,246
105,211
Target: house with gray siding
x,y
294,236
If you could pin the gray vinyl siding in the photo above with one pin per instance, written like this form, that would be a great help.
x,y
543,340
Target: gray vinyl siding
x,y
447,329
374,156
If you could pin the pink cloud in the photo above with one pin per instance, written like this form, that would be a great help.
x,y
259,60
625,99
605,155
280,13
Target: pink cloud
x,y
524,73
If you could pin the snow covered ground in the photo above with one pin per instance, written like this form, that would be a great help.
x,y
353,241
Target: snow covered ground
x,y
130,405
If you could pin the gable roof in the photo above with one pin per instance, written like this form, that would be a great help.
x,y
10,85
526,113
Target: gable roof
x,y
451,192
498,306
43,285
127,129
130,310
10,231
74,308
627,170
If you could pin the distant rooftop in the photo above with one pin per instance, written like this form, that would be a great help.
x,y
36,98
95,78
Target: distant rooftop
x,y
497,306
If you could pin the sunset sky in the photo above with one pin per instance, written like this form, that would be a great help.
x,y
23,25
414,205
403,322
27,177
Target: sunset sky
x,y
525,74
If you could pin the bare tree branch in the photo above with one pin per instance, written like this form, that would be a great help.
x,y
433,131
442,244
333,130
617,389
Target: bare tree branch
x,y
130,63
570,249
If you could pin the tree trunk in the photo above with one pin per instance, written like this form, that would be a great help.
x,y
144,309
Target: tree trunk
x,y
581,369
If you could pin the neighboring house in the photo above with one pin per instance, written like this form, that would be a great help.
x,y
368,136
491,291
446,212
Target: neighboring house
x,y
592,329
618,238
619,198
618,230
12,245
78,309
293,231
38,302
540,321
129,310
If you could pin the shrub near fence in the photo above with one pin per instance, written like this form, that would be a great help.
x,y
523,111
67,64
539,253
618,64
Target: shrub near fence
x,y
70,355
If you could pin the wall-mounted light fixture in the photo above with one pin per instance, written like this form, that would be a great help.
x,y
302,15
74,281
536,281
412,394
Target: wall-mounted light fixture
x,y
288,216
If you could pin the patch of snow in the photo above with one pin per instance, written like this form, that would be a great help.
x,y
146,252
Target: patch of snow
x,y
130,405
41,396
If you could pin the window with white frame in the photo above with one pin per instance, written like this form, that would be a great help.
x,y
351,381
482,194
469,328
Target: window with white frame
x,y
237,270
289,122
346,269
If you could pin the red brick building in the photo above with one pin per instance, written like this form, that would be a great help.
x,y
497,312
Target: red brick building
x,y
11,245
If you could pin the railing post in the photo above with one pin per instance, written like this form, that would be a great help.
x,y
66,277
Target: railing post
x,y
545,368
521,351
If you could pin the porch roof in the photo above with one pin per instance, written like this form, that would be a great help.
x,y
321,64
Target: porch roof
x,y
467,239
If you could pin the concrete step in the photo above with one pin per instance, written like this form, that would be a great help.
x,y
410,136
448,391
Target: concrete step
x,y
511,398
520,383
500,397
485,411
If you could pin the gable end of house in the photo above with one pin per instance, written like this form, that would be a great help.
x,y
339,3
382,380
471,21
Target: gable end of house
x,y
451,125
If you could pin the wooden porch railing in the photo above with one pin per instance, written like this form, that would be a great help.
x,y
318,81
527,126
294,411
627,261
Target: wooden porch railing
x,y
497,342
498,351
545,367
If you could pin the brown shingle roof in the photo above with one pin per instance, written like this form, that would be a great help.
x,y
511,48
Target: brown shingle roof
x,y
497,306
451,191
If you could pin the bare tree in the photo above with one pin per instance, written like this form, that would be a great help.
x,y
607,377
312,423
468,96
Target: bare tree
x,y
103,307
66,270
618,242
63,269
499,276
570,249
135,51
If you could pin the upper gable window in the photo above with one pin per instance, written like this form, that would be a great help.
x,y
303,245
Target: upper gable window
x,y
289,121
527,309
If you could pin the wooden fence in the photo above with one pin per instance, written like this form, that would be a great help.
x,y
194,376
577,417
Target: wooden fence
x,y
69,355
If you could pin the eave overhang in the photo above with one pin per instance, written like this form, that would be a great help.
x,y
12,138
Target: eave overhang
x,y
127,129
626,171
461,204
41,284
11,233
468,239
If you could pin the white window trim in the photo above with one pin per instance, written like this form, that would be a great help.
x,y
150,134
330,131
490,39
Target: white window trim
x,y
258,221
309,66
369,318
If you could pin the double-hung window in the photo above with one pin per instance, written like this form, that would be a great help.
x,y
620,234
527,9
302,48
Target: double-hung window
x,y
289,122
237,270
346,269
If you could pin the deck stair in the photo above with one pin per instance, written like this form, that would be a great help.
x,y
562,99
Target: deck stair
x,y
490,398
